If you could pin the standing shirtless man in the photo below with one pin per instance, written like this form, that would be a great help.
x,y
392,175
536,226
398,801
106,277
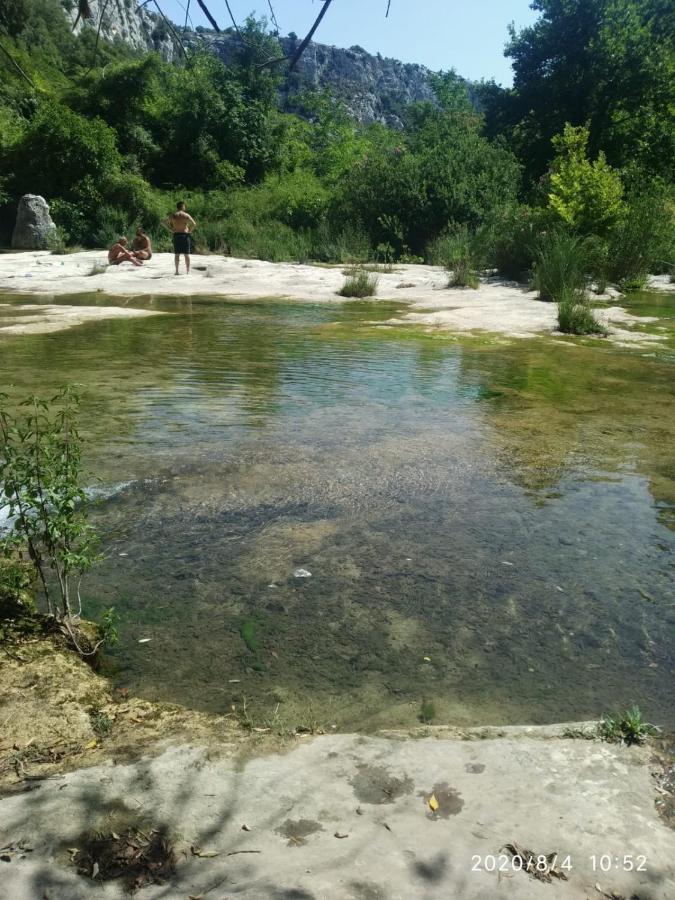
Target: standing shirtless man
x,y
179,223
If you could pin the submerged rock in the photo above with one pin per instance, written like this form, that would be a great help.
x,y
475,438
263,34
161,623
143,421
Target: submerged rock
x,y
34,228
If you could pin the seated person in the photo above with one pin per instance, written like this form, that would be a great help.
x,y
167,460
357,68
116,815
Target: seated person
x,y
141,246
119,253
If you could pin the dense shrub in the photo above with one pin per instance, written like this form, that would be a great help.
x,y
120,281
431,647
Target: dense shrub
x,y
644,240
96,212
443,172
509,241
300,199
58,149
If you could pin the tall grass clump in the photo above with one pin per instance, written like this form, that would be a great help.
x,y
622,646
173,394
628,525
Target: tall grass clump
x,y
336,244
456,251
359,283
559,267
628,727
560,277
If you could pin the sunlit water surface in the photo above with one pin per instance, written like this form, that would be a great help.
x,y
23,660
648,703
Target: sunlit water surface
x,y
488,524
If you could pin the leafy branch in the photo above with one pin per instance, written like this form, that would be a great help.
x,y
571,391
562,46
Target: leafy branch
x,y
40,467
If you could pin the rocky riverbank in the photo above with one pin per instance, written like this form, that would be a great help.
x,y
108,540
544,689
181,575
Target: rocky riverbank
x,y
498,306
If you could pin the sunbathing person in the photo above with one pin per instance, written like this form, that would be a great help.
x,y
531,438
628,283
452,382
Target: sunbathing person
x,y
141,246
119,253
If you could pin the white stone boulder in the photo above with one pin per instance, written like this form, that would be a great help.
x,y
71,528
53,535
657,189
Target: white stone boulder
x,y
34,228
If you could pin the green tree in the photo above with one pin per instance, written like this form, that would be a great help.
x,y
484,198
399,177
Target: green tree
x,y
334,140
442,172
608,63
68,148
585,195
207,118
125,95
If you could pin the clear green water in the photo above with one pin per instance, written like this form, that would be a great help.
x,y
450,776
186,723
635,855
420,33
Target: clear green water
x,y
488,524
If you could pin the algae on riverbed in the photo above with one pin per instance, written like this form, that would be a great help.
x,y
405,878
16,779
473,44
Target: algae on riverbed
x,y
482,518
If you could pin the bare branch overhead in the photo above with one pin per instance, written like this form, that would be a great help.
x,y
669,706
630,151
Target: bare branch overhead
x,y
173,31
209,16
83,12
310,34
274,18
16,66
234,21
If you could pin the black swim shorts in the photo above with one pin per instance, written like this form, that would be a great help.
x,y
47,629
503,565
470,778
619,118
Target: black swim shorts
x,y
182,242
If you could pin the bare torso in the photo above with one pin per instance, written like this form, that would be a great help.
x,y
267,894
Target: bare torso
x,y
180,222
141,243
142,247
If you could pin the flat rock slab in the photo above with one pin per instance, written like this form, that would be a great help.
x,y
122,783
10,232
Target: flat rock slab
x,y
47,318
497,307
345,816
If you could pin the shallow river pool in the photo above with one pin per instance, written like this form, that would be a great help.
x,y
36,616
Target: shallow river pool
x,y
333,523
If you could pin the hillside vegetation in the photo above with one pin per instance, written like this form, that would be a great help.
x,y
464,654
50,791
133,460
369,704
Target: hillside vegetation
x,y
584,143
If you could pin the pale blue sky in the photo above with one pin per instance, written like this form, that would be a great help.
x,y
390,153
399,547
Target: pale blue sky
x,y
441,34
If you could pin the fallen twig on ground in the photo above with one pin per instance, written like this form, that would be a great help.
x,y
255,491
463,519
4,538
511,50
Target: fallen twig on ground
x,y
18,757
138,857
541,866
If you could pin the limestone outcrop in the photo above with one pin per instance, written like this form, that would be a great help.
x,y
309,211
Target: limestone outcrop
x,y
125,21
373,88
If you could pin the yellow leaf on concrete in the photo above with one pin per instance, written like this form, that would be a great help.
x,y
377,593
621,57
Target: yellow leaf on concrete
x,y
433,803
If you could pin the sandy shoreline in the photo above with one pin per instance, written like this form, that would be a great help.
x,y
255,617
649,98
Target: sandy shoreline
x,y
498,306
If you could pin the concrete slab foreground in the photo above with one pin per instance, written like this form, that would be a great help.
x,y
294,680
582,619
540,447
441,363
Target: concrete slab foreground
x,y
346,817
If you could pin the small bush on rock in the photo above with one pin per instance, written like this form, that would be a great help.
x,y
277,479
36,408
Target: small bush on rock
x,y
575,315
359,284
628,727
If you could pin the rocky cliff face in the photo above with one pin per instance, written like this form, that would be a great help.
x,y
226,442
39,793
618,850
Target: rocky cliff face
x,y
374,88
124,20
